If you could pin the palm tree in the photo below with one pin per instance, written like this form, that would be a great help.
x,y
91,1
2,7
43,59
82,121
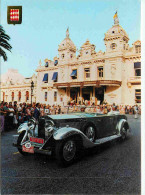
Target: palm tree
x,y
4,38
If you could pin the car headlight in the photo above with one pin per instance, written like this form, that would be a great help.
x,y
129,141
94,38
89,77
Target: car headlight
x,y
31,123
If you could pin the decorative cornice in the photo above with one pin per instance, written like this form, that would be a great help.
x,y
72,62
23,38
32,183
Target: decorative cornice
x,y
109,38
99,60
89,62
16,86
132,57
43,68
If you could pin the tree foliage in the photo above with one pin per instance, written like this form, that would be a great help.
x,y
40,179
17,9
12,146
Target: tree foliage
x,y
4,45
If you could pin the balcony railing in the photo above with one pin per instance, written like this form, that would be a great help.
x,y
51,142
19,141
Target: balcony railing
x,y
100,78
45,85
89,83
135,80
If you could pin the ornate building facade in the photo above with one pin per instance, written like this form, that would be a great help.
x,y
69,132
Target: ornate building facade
x,y
14,87
113,75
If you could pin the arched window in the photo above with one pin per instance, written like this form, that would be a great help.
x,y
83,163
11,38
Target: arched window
x,y
46,64
113,46
62,56
55,96
19,96
12,96
100,71
3,96
27,96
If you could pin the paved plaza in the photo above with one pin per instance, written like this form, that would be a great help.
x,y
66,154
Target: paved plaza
x,y
113,168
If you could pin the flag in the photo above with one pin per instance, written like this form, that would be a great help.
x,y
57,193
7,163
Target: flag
x,y
14,14
115,15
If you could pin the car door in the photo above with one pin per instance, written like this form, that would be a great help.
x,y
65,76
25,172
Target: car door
x,y
111,128
105,126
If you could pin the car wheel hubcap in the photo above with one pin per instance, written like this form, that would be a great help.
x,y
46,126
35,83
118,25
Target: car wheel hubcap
x,y
123,133
90,133
69,150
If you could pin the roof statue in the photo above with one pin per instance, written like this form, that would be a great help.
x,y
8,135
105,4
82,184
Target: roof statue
x,y
67,33
116,20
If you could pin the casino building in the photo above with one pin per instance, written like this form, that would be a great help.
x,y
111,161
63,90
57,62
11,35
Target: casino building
x,y
113,76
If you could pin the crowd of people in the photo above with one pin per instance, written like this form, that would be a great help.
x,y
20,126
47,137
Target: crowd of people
x,y
13,114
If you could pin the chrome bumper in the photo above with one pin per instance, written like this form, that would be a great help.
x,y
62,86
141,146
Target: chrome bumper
x,y
36,150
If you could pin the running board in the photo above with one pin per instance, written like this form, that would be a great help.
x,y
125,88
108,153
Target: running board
x,y
106,139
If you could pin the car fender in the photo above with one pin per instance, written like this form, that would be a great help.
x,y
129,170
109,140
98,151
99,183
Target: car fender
x,y
22,127
121,123
66,132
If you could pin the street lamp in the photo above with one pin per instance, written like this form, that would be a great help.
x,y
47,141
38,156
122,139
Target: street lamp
x,y
32,88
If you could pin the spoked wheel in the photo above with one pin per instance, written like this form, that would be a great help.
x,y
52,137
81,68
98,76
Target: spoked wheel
x,y
19,144
65,151
90,133
69,150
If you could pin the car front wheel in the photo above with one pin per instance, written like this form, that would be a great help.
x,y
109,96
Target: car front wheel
x,y
65,151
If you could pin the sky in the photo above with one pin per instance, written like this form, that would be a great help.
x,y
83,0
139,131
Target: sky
x,y
44,24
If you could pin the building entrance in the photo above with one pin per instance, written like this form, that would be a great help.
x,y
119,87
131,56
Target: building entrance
x,y
99,94
86,97
74,94
86,93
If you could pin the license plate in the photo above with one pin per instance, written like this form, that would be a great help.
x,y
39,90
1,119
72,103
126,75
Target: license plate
x,y
37,140
29,150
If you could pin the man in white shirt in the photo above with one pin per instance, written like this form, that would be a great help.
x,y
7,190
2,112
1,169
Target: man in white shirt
x,y
11,116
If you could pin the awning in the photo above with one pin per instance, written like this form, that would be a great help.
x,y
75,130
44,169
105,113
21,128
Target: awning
x,y
74,73
56,62
137,65
54,77
45,78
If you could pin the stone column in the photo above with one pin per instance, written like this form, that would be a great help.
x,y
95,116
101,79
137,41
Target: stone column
x,y
80,98
23,96
93,96
68,94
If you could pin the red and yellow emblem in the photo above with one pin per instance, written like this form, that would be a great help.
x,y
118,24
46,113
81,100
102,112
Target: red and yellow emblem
x,y
14,14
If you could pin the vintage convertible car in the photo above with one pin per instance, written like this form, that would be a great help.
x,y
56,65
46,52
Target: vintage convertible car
x,y
66,135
